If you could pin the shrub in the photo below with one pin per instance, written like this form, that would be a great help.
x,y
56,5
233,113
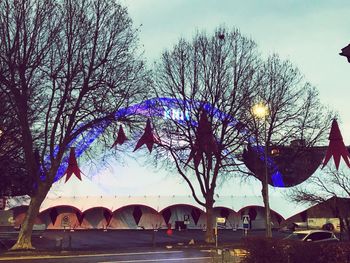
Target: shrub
x,y
266,250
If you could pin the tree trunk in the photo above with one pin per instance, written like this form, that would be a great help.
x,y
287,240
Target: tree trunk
x,y
209,234
342,227
347,227
265,195
24,241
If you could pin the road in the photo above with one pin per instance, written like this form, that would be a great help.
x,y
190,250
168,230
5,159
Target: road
x,y
123,246
122,239
185,255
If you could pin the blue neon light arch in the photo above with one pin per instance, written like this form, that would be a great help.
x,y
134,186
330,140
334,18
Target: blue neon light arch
x,y
155,107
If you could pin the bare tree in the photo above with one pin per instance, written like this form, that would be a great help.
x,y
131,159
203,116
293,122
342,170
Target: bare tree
x,y
296,115
212,77
14,179
223,76
66,66
324,186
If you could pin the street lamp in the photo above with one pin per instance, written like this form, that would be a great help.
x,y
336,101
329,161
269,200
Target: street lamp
x,y
261,111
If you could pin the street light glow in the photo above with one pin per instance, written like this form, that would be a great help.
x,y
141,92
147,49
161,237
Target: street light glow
x,y
260,110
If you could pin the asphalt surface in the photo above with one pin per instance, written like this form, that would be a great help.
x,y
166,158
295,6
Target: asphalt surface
x,y
171,255
51,240
122,246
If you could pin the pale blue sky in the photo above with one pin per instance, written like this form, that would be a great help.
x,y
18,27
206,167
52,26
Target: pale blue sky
x,y
309,33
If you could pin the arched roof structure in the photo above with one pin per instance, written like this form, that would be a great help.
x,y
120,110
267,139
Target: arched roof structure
x,y
262,207
158,203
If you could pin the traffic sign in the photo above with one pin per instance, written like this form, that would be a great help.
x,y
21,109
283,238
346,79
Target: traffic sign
x,y
245,222
221,220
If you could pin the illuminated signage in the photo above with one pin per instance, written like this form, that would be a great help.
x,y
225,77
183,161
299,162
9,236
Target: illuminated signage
x,y
176,114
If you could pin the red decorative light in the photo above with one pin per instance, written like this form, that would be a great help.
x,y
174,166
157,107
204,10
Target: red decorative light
x,y
205,142
72,166
169,231
121,137
148,138
336,147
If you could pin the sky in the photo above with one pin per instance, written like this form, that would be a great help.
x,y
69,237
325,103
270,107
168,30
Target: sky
x,y
308,33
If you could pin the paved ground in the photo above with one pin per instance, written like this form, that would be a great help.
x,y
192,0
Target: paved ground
x,y
122,246
144,256
126,246
53,240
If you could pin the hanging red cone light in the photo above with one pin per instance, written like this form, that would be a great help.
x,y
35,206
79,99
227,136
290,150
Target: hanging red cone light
x,y
205,142
336,147
121,137
72,166
148,138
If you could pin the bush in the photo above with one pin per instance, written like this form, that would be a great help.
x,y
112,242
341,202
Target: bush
x,y
266,250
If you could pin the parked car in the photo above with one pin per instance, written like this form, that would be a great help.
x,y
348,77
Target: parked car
x,y
324,223
297,226
313,236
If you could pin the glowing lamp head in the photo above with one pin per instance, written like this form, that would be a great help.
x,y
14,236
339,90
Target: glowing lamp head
x,y
275,152
260,110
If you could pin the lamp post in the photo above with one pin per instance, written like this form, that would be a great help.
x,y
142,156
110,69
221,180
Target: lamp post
x,y
261,111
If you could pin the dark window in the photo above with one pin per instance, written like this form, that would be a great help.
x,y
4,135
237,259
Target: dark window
x,y
325,235
296,236
319,236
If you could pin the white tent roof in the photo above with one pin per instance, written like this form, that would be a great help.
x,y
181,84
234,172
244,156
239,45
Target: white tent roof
x,y
159,203
117,186
85,195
